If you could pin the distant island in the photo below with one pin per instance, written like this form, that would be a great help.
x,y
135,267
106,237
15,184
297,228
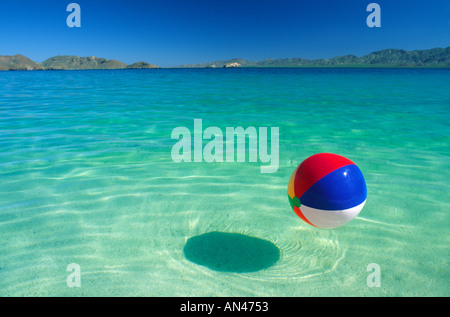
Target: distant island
x,y
20,62
432,58
436,57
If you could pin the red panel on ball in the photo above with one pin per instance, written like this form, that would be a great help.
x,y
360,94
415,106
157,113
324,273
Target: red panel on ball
x,y
314,168
299,213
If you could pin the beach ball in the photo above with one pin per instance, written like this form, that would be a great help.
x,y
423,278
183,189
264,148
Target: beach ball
x,y
327,190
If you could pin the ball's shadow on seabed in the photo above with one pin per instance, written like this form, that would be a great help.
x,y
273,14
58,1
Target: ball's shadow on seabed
x,y
231,252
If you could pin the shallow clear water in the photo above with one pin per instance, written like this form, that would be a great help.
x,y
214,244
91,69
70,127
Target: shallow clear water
x,y
87,177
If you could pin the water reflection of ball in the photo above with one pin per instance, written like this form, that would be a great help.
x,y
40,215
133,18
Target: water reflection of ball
x,y
327,190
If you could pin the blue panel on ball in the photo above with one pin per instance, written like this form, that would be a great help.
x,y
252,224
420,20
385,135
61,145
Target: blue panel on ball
x,y
341,189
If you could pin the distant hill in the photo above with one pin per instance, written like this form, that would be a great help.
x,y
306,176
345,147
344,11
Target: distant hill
x,y
76,62
141,65
436,57
18,62
67,62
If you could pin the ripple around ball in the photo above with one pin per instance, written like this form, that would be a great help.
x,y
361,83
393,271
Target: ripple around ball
x,y
327,190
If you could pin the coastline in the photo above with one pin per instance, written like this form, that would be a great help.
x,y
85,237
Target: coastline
x,y
244,67
387,58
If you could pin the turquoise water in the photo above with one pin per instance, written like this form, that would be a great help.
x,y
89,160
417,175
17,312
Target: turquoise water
x,y
87,177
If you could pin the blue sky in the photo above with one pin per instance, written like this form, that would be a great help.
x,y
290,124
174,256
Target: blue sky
x,y
174,32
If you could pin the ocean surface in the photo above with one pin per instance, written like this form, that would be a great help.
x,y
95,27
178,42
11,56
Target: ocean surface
x,y
87,178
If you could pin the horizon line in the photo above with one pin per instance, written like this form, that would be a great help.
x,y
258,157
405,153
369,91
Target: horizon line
x,y
205,64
